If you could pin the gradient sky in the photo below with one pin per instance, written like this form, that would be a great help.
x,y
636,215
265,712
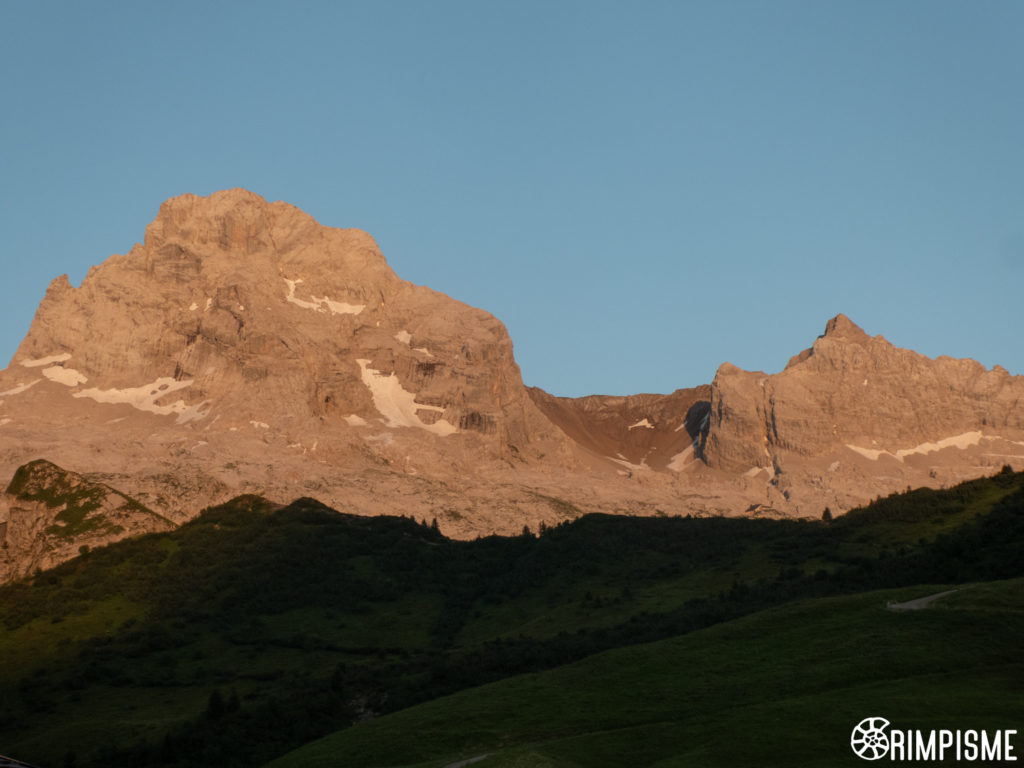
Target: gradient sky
x,y
640,191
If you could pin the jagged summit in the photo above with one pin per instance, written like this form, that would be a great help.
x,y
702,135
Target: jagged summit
x,y
840,329
241,222
852,397
841,326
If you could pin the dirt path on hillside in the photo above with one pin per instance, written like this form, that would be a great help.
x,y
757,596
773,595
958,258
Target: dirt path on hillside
x,y
919,603
467,761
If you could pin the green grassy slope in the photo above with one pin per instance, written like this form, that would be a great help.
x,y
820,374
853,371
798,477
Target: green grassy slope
x,y
782,687
255,629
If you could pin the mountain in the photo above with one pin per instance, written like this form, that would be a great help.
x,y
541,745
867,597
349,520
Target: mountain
x,y
854,416
245,348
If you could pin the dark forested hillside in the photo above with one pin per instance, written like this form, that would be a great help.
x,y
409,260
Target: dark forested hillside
x,y
256,628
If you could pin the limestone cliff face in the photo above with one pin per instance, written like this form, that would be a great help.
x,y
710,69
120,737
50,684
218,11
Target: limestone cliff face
x,y
855,417
48,514
236,307
850,389
245,348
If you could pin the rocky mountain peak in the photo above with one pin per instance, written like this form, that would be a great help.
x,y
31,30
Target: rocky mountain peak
x,y
843,328
854,406
234,220
840,332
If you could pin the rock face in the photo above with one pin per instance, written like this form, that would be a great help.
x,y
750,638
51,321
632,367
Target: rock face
x,y
47,514
853,406
239,308
245,348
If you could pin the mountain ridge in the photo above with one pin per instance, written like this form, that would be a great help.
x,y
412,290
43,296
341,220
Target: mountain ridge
x,y
245,348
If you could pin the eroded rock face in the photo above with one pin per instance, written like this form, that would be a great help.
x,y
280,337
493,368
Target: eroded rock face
x,y
239,308
868,407
48,514
245,348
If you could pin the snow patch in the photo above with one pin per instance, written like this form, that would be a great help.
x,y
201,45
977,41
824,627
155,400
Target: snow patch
x,y
145,398
355,421
404,336
754,471
209,303
645,424
629,465
20,388
833,466
323,304
964,441
683,459
260,424
193,307
397,405
423,350
69,377
385,437
868,453
4,421
47,360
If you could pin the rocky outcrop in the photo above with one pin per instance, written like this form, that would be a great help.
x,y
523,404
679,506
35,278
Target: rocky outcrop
x,y
863,404
48,515
850,389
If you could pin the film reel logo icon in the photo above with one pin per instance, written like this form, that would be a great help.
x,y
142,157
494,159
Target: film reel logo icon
x,y
869,739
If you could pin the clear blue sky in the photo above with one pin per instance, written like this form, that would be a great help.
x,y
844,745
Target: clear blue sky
x,y
640,191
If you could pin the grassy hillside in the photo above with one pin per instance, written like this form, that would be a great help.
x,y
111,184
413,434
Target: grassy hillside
x,y
782,687
255,629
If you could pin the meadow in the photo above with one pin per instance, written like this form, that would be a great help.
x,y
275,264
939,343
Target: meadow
x,y
256,630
